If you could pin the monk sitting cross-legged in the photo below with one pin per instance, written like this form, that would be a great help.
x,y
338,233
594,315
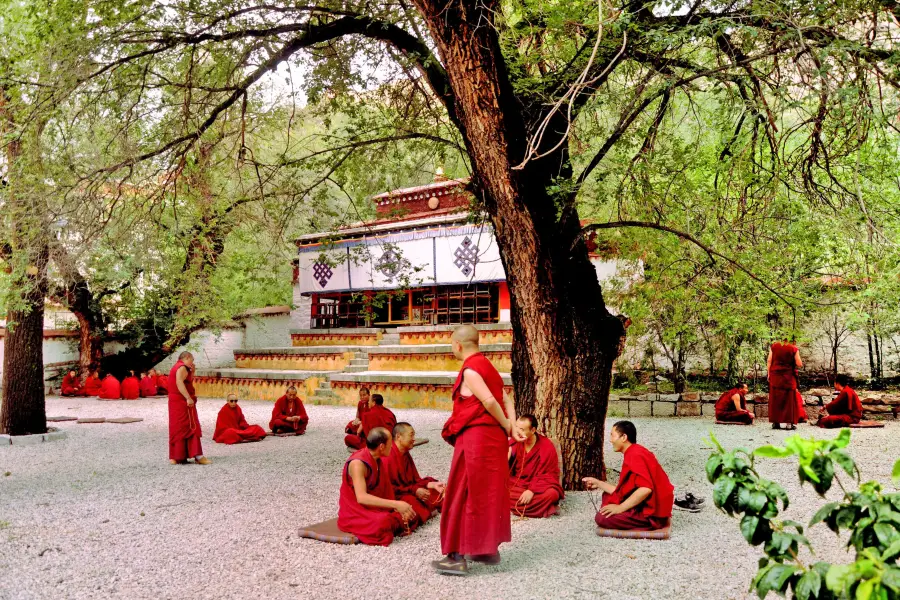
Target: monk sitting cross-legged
x,y
534,487
71,386
110,389
162,382
289,414
731,407
427,493
232,427
131,387
361,407
367,507
643,498
148,386
92,383
843,411
376,415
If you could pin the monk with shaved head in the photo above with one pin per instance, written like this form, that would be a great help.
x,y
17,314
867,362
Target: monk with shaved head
x,y
184,423
475,518
424,494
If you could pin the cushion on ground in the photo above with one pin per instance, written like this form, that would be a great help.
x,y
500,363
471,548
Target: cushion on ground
x,y
420,442
327,531
273,434
718,422
867,424
124,420
92,420
629,534
58,419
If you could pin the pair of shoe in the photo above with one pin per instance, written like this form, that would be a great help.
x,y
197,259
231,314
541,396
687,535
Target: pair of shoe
x,y
689,503
455,564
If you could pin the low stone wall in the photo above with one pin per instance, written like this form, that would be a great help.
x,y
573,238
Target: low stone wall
x,y
434,358
319,361
335,337
496,333
254,389
876,405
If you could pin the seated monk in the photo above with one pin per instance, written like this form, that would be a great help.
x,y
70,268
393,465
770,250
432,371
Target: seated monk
x,y
289,415
844,410
731,407
162,383
376,415
367,507
71,386
424,494
643,498
131,387
361,407
534,482
148,386
92,383
110,388
232,427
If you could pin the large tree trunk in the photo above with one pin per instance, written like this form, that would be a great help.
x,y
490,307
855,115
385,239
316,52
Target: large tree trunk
x,y
565,338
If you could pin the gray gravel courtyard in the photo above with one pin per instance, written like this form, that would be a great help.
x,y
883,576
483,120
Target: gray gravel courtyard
x,y
103,515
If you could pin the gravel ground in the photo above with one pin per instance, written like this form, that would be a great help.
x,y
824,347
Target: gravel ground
x,y
103,515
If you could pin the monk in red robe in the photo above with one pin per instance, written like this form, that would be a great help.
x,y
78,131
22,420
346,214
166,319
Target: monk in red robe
x,y
534,480
71,386
643,498
843,411
289,414
801,408
110,389
367,507
376,415
131,387
184,422
426,493
731,407
162,382
782,364
362,406
232,427
148,386
92,383
475,518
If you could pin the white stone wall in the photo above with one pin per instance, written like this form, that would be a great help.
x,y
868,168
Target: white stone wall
x,y
301,317
209,349
267,331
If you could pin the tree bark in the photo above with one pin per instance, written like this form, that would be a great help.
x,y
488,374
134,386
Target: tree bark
x,y
565,338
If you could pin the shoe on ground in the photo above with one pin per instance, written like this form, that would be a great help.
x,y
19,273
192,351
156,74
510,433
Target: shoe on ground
x,y
486,559
450,565
689,503
202,461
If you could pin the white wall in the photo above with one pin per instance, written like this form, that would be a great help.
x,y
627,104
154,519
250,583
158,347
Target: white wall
x,y
209,350
301,314
267,331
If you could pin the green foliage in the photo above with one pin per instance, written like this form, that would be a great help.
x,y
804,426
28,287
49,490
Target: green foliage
x,y
871,516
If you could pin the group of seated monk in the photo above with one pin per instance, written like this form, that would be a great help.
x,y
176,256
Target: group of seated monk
x,y
288,417
370,413
107,387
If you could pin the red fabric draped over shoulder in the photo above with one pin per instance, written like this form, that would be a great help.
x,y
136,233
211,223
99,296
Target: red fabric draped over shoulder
x,y
184,422
538,472
375,526
232,427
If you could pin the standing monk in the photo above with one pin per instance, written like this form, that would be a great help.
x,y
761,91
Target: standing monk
x,y
131,387
362,406
782,364
475,518
427,492
643,498
289,414
843,411
232,427
534,481
71,386
92,383
731,407
184,423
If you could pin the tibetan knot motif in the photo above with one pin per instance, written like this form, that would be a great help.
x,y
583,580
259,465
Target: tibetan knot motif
x,y
322,273
466,256
389,263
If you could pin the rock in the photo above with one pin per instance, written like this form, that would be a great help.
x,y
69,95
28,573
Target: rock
x,y
819,392
687,409
669,397
640,408
761,410
663,408
691,396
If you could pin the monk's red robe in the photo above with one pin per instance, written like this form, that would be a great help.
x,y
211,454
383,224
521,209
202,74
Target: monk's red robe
x,y
148,387
783,406
71,386
162,384
110,389
283,409
184,422
375,526
377,416
92,386
406,481
537,471
801,409
726,412
232,427
843,411
131,388
475,518
640,469
361,409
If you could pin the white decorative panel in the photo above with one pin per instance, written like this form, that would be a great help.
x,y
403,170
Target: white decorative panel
x,y
467,258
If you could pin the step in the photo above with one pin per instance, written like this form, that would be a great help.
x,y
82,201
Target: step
x,y
273,374
404,377
357,362
356,368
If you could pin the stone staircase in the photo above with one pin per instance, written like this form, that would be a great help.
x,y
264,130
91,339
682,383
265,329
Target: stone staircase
x,y
323,394
359,362
389,339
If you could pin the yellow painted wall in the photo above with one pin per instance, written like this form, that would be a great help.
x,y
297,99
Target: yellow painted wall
x,y
335,339
432,362
253,389
297,362
443,337
399,395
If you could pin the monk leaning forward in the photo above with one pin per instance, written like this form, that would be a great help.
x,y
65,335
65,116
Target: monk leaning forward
x,y
643,498
534,482
232,427
843,411
93,384
131,387
184,423
731,407
110,389
424,494
475,518
289,414
367,507
376,415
